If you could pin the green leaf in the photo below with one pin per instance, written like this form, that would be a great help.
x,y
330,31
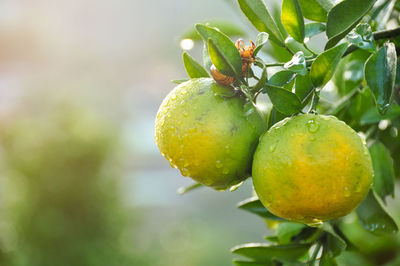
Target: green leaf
x,y
381,13
282,78
262,39
259,16
314,28
275,116
334,243
179,81
262,252
383,169
374,217
297,64
325,64
223,53
380,74
194,69
343,17
206,57
184,190
261,82
285,101
303,86
251,263
313,10
373,116
287,230
255,206
224,26
328,260
362,37
292,19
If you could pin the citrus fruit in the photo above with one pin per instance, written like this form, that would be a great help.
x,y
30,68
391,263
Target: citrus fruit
x,y
209,132
311,168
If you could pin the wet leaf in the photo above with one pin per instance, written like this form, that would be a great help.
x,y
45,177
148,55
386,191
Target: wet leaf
x,y
285,101
373,116
374,217
383,169
380,74
343,17
313,10
362,37
314,28
262,252
282,78
292,19
223,52
287,230
297,64
303,86
255,206
261,82
258,14
262,39
325,64
328,260
334,243
193,68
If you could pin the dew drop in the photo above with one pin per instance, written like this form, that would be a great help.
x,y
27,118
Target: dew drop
x,y
184,171
347,192
218,164
173,97
272,147
315,222
312,125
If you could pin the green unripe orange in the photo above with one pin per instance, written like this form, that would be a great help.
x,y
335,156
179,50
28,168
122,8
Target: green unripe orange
x,y
206,135
311,168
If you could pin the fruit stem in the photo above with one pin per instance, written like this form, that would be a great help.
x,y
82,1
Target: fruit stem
x,y
314,102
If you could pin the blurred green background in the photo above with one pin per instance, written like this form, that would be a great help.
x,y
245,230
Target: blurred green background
x,y
82,181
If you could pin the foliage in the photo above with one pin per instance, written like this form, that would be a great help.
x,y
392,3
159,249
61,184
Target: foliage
x,y
356,78
63,208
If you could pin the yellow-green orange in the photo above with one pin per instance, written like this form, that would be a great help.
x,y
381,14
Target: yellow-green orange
x,y
208,132
311,168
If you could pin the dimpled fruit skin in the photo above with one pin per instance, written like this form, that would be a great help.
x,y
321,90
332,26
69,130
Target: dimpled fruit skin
x,y
210,138
311,168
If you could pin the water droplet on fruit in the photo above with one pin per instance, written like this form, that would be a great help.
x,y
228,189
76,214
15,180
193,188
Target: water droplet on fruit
x,y
315,222
184,171
347,192
173,97
312,125
272,147
218,164
185,114
227,149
